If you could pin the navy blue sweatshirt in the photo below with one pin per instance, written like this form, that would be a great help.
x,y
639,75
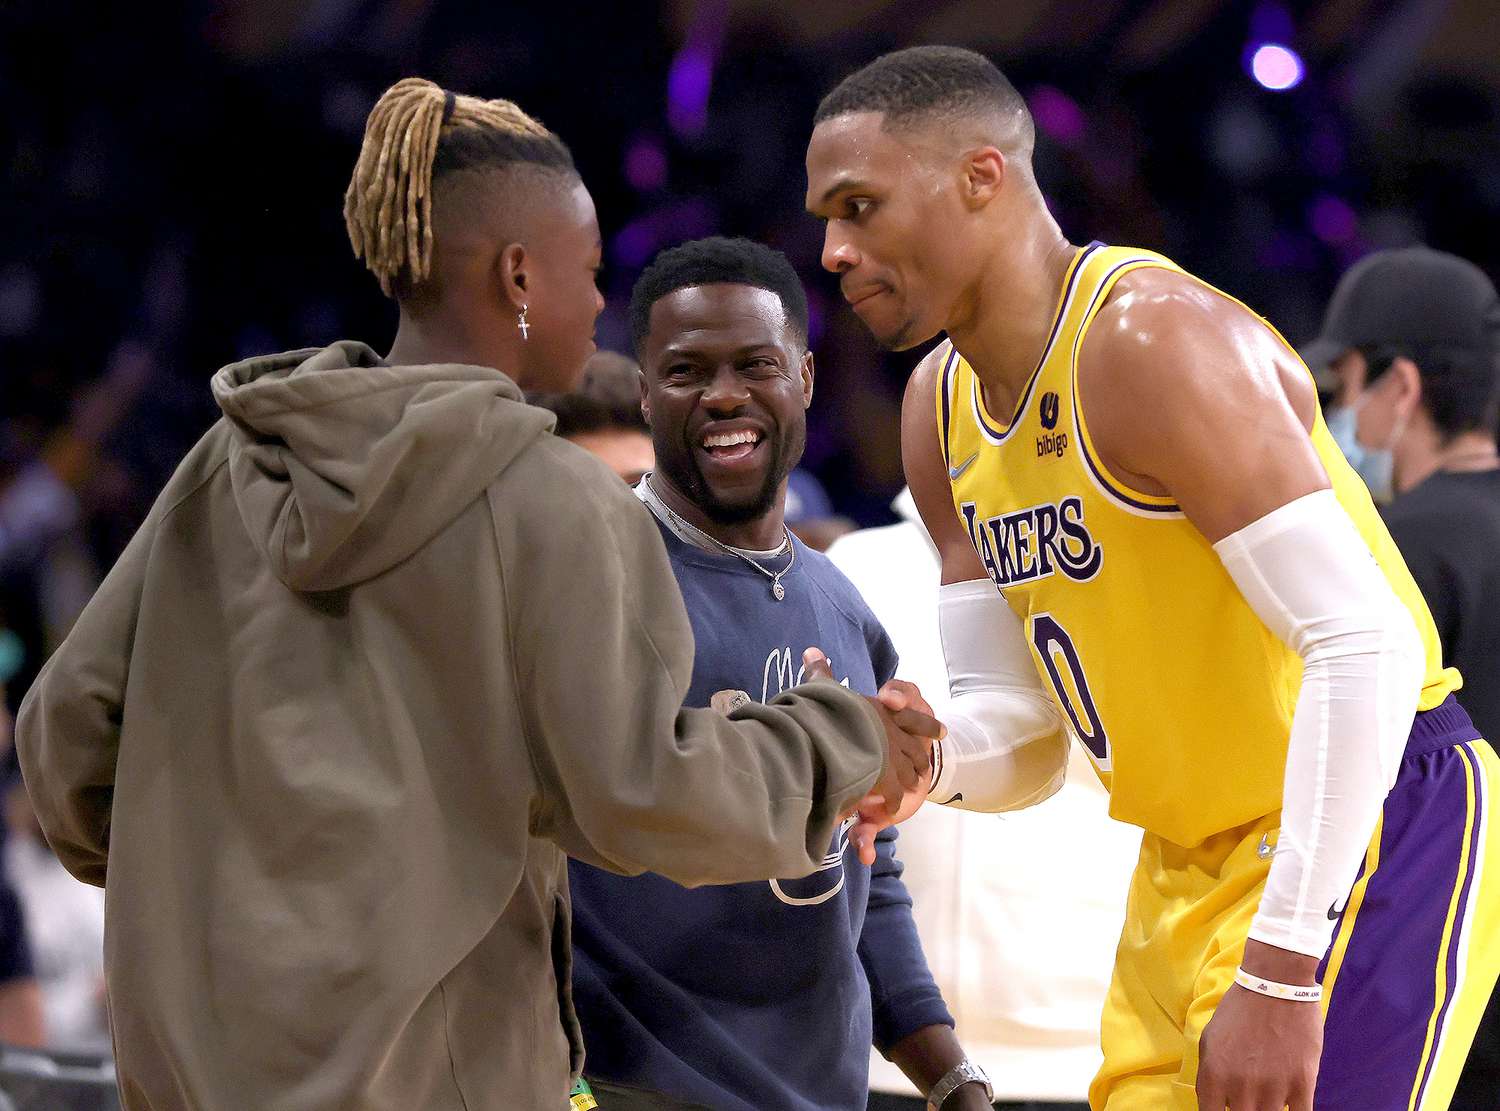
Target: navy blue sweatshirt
x,y
756,996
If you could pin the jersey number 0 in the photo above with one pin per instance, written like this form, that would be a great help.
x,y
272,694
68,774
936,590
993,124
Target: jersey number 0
x,y
1052,644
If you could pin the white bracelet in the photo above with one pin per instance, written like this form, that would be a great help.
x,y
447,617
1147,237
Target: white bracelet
x,y
1297,993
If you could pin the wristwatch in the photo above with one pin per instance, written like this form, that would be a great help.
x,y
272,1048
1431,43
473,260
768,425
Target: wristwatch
x,y
965,1072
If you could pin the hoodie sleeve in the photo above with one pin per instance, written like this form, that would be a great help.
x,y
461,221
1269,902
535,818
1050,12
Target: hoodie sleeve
x,y
68,730
629,780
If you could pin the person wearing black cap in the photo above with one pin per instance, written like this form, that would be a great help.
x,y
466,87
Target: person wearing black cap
x,y
1410,348
1408,351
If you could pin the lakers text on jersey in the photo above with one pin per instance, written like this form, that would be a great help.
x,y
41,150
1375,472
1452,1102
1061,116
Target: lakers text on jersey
x,y
1180,694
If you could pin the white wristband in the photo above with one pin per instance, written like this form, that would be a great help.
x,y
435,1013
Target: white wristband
x,y
1297,993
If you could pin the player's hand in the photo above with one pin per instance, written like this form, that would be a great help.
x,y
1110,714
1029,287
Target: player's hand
x,y
900,697
1258,1053
907,775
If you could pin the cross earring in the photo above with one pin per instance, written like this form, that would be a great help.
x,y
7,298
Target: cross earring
x,y
521,324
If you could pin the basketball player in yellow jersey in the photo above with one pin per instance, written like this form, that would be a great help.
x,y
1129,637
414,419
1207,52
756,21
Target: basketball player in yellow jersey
x,y
1197,584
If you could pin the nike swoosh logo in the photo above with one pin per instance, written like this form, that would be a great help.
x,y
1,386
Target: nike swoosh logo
x,y
955,472
1334,910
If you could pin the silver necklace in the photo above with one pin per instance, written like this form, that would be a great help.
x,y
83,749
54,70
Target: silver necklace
x,y
777,590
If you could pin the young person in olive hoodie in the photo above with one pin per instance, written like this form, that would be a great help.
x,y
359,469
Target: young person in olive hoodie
x,y
382,651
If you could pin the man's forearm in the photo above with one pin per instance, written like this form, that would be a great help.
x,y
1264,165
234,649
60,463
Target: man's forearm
x,y
1307,573
927,1055
1006,747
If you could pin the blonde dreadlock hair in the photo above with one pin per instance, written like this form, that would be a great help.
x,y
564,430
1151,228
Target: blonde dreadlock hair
x,y
417,133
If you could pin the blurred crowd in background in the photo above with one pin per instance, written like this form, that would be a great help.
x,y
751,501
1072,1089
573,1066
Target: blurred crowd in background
x,y
173,176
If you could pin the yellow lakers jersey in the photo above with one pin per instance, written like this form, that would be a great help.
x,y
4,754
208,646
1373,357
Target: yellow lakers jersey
x,y
1181,696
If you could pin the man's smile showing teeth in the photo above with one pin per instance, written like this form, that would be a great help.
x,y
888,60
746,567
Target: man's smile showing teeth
x,y
726,447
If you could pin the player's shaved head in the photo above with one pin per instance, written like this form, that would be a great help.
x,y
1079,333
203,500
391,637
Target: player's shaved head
x,y
943,89
920,166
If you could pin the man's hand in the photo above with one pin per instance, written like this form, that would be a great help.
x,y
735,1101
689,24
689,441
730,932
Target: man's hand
x,y
910,730
901,699
1259,1053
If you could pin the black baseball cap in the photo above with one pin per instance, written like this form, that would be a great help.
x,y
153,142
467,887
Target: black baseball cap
x,y
1414,299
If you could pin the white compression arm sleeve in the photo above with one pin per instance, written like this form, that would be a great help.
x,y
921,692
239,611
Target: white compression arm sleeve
x,y
1309,575
1006,747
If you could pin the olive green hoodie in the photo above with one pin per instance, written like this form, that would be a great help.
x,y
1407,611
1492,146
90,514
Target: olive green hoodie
x,y
383,650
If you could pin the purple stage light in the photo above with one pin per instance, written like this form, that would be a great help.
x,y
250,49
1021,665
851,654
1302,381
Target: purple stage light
x,y
1332,220
1276,67
691,76
1057,114
635,243
688,84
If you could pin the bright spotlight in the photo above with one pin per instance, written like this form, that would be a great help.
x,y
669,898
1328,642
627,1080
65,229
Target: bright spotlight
x,y
1276,67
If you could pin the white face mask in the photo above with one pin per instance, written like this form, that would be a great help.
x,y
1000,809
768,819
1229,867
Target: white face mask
x,y
1376,466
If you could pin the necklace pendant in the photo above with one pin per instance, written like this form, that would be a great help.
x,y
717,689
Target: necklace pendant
x,y
778,591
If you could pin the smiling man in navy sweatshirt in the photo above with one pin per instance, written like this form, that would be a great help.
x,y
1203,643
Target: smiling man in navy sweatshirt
x,y
754,996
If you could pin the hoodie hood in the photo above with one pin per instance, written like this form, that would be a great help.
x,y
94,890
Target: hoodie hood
x,y
343,466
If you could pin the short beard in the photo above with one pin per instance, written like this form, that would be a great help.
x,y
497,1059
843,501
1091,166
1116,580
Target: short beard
x,y
722,513
784,456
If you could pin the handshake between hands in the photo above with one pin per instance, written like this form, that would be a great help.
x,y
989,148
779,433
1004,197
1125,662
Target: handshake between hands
x,y
910,730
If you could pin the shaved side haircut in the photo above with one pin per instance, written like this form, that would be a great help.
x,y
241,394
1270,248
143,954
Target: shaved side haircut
x,y
417,134
931,84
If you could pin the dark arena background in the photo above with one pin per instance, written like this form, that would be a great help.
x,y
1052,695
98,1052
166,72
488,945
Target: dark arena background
x,y
172,177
